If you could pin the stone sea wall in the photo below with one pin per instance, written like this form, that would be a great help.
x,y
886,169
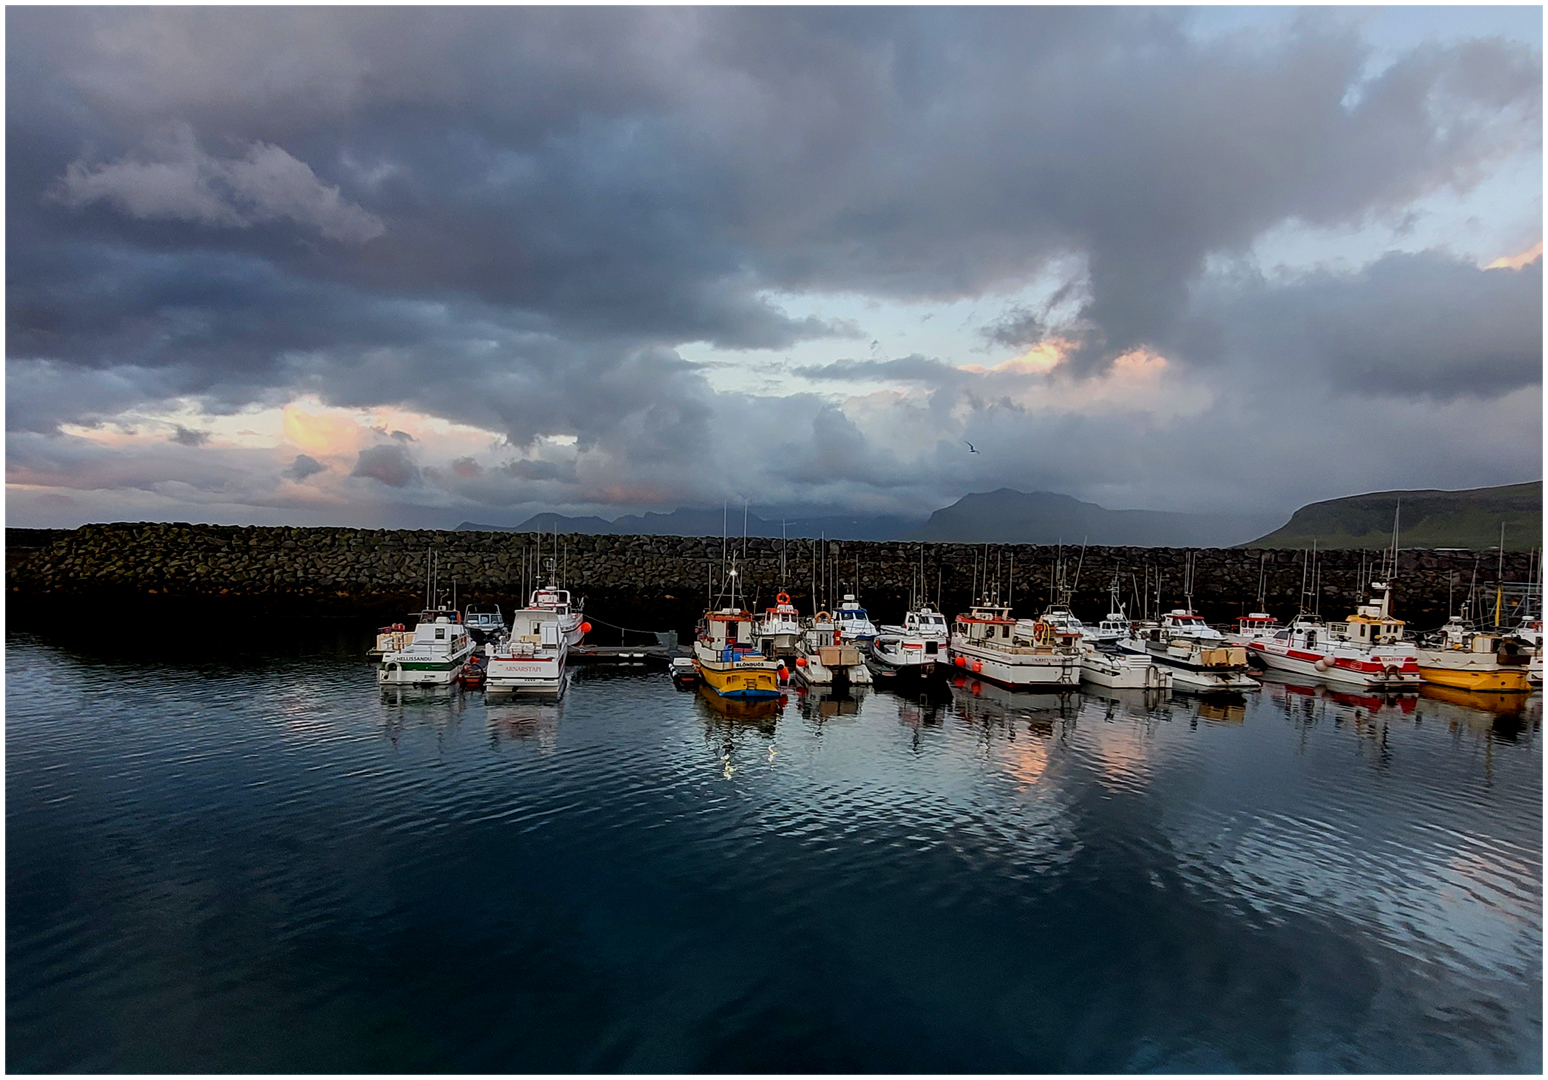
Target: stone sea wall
x,y
663,582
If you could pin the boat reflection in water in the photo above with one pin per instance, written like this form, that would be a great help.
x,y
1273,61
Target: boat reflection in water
x,y
1221,712
1108,703
980,700
524,719
1495,702
823,703
762,712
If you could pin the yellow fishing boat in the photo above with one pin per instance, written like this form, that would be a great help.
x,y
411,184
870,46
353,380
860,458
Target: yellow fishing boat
x,y
1469,659
728,660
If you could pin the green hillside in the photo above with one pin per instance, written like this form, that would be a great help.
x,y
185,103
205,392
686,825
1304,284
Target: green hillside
x,y
1430,519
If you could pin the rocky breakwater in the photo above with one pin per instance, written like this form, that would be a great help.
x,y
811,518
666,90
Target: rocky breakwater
x,y
661,582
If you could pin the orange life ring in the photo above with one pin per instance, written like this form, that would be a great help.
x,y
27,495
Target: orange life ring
x,y
782,598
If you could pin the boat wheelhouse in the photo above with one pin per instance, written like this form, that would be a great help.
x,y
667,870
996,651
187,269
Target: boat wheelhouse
x,y
777,630
1016,653
1252,626
433,657
853,621
1183,622
531,659
552,598
484,622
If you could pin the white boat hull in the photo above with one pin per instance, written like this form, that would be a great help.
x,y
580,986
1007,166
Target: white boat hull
x,y
513,676
1123,671
396,673
1345,671
1017,671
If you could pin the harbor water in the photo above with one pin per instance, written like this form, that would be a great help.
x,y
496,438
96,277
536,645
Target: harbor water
x,y
233,851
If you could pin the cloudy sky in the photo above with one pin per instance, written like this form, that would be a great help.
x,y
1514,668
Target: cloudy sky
x,y
412,266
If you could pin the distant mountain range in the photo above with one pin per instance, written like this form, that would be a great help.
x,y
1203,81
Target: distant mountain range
x,y
1430,519
692,522
1007,516
1464,519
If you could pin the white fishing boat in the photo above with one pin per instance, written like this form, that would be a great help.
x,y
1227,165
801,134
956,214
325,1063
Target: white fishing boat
x,y
853,621
1015,653
1367,651
531,659
914,648
433,657
824,658
778,629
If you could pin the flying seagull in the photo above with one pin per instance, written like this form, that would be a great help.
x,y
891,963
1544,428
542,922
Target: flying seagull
x,y
971,448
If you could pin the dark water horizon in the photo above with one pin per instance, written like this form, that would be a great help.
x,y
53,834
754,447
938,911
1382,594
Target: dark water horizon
x,y
231,852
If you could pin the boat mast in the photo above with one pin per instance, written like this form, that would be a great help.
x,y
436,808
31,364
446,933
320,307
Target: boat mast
x,y
1499,578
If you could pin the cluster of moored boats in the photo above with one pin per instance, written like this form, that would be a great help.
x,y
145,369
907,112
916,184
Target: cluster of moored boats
x,y
478,648
738,654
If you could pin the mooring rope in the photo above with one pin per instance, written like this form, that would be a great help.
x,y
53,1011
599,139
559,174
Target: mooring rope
x,y
661,636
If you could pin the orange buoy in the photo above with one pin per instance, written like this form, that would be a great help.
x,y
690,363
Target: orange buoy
x,y
961,661
978,665
585,628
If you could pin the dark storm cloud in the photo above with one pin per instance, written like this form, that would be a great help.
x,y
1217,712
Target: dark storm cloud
x,y
188,436
915,368
1425,325
514,217
389,464
305,465
1016,329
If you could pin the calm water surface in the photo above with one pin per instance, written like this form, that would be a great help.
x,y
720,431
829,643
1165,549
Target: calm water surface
x,y
256,863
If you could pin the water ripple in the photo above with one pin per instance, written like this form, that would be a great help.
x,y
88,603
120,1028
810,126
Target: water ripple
x,y
298,873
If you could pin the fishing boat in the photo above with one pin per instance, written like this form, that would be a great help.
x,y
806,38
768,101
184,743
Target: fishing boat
x,y
1109,666
433,657
484,622
1194,664
777,630
1460,656
853,621
824,658
1365,651
726,653
1015,653
914,648
531,659
728,659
